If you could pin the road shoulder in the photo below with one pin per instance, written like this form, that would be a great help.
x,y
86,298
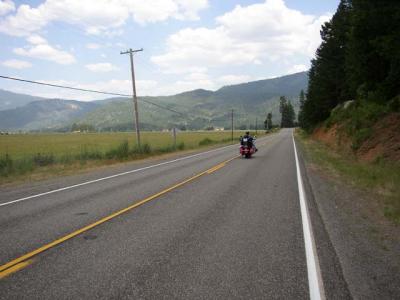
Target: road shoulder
x,y
366,246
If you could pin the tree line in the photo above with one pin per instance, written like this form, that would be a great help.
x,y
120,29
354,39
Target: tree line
x,y
358,59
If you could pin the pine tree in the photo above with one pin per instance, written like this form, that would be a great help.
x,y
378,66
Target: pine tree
x,y
268,121
282,110
327,83
359,57
287,113
300,117
373,60
291,115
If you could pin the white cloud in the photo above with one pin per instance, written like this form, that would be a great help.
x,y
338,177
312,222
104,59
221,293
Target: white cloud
x,y
297,68
190,8
16,64
98,16
101,67
40,49
93,46
6,7
36,40
268,31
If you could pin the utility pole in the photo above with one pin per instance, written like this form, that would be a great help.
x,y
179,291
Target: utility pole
x,y
174,134
232,125
256,125
135,105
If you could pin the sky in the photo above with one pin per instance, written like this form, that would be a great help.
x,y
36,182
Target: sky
x,y
187,44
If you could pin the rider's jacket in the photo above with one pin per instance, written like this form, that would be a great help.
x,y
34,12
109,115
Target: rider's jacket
x,y
246,140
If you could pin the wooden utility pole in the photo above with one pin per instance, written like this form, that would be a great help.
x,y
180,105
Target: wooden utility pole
x,y
232,125
135,105
256,125
174,134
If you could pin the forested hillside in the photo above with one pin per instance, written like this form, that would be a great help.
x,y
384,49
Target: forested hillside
x,y
358,59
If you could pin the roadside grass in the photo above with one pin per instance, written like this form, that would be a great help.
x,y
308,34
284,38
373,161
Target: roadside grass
x,y
38,156
381,177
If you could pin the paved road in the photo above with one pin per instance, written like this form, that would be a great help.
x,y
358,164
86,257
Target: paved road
x,y
232,232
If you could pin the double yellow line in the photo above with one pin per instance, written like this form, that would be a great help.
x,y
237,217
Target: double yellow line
x,y
24,260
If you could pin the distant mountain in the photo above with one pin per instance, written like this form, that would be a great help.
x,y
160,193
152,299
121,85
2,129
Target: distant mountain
x,y
10,100
200,108
257,92
44,114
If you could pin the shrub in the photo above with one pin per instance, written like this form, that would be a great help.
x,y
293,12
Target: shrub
x,y
24,165
206,141
180,146
145,149
87,154
394,104
43,159
121,152
357,120
360,136
6,165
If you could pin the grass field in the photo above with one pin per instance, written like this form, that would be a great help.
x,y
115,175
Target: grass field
x,y
22,154
22,145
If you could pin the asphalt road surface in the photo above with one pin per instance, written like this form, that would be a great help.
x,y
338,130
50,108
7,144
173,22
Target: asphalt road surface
x,y
210,226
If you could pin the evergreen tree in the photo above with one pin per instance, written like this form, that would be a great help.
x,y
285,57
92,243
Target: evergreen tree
x,y
373,60
302,100
287,113
268,121
359,57
291,115
327,83
282,110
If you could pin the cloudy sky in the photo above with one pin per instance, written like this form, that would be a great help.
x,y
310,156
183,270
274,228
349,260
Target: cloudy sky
x,y
187,44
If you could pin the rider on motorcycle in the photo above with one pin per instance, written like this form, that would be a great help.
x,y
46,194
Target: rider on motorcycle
x,y
249,140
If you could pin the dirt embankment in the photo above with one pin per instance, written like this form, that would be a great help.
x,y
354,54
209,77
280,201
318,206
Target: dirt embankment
x,y
383,142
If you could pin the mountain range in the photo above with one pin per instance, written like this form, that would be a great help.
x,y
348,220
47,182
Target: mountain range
x,y
198,108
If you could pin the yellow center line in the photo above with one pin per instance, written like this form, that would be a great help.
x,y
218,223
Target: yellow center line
x,y
215,168
15,268
16,265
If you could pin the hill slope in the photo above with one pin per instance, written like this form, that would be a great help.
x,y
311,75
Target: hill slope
x,y
204,108
10,100
44,114
200,108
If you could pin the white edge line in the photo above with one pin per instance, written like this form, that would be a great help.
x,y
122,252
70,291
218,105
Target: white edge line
x,y
315,283
109,177
112,176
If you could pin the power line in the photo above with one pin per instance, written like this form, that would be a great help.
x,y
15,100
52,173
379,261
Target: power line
x,y
163,107
65,87
101,92
91,91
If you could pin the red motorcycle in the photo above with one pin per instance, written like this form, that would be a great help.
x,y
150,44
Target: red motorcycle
x,y
247,149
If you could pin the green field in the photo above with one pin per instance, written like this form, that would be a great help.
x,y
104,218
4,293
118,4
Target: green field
x,y
22,154
22,145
